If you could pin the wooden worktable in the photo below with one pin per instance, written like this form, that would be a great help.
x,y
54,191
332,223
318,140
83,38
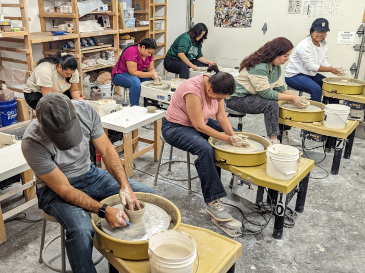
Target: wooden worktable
x,y
128,121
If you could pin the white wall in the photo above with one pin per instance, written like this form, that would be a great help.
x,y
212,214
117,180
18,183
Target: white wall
x,y
231,45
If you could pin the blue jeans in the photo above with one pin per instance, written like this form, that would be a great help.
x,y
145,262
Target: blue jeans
x,y
188,139
96,183
308,84
133,83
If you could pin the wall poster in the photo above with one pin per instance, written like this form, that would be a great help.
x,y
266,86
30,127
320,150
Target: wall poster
x,y
233,13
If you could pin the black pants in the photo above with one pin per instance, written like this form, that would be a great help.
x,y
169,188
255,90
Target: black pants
x,y
179,67
33,98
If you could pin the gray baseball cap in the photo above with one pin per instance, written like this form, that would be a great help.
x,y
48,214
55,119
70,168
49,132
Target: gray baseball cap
x,y
57,115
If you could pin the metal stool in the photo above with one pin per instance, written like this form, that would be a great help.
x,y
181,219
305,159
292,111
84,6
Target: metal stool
x,y
235,114
172,161
292,89
43,247
176,75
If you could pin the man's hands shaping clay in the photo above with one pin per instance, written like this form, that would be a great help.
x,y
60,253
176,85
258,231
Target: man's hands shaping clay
x,y
115,217
127,197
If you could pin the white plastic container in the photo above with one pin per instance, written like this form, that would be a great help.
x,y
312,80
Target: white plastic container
x,y
144,23
130,23
180,240
128,13
335,116
158,24
106,90
282,161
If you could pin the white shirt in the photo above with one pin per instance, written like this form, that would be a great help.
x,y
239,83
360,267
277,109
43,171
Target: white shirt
x,y
307,58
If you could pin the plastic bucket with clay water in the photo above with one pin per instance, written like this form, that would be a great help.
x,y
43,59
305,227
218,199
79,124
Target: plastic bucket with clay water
x,y
282,161
335,116
106,90
8,114
172,251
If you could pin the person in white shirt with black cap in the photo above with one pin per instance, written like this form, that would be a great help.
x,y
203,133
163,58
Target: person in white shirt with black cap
x,y
309,58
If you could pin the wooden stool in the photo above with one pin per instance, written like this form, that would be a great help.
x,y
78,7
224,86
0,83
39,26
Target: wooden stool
x,y
173,161
43,248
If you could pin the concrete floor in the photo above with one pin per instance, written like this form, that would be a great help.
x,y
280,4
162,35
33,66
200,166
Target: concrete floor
x,y
327,237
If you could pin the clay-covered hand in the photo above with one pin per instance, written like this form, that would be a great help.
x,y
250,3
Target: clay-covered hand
x,y
240,141
297,101
303,102
115,217
156,77
335,71
195,68
127,197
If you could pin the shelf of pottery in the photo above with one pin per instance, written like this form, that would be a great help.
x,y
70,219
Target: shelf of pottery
x,y
14,29
88,30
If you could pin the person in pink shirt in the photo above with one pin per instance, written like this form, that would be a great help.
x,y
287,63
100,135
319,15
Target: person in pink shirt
x,y
188,124
135,65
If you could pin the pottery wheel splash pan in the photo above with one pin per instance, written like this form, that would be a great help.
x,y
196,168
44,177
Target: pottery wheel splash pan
x,y
240,159
132,250
302,115
336,85
154,221
164,85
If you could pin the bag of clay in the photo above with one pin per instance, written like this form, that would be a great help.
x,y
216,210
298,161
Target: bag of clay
x,y
6,94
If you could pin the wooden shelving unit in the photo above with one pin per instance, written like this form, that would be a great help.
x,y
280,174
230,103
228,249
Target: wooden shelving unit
x,y
159,35
22,36
45,37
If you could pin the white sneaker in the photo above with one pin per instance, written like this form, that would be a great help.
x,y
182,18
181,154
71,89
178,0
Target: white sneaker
x,y
288,140
274,141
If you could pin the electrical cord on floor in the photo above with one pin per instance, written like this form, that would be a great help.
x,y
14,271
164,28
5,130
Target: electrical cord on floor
x,y
21,217
316,163
261,210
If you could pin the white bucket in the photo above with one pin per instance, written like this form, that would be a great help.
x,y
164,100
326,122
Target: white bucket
x,y
106,90
335,116
172,241
282,161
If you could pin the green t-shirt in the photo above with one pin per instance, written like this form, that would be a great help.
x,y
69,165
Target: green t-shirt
x,y
260,80
183,44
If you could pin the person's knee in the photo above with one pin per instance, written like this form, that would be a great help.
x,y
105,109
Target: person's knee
x,y
205,149
82,230
273,105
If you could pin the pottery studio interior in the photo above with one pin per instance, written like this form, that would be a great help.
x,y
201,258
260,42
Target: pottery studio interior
x,y
182,136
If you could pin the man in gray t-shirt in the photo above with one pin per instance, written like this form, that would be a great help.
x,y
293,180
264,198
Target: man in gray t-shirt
x,y
56,147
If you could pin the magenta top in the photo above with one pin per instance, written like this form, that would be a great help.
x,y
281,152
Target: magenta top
x,y
131,54
177,113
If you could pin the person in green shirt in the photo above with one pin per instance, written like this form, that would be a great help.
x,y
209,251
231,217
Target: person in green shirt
x,y
186,52
259,86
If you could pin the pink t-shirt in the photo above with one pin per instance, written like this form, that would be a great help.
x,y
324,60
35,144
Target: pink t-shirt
x,y
131,54
177,112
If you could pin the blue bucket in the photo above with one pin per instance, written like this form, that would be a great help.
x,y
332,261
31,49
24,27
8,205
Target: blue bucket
x,y
8,114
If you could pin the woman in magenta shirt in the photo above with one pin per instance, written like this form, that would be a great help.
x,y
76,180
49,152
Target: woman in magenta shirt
x,y
134,66
188,124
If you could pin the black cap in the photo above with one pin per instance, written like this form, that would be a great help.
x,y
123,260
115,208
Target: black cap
x,y
57,115
321,24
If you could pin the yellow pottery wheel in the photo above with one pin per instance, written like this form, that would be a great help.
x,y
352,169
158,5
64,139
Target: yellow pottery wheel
x,y
302,116
334,85
242,160
132,250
